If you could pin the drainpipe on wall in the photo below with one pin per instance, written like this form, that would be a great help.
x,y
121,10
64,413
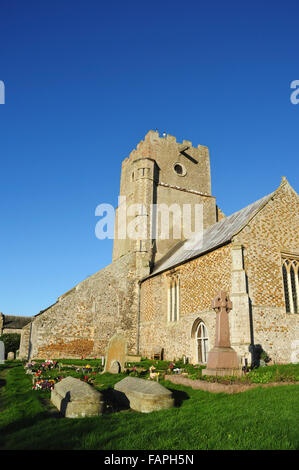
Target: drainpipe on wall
x,y
30,344
138,320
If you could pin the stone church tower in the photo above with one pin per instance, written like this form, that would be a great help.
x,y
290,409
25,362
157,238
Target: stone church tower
x,y
158,180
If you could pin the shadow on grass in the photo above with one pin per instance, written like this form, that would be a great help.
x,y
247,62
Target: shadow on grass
x,y
179,396
21,424
113,403
2,382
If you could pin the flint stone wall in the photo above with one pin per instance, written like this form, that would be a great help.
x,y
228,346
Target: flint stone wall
x,y
83,320
272,232
200,281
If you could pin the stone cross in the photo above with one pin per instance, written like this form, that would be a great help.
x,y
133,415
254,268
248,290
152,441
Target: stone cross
x,y
222,305
222,359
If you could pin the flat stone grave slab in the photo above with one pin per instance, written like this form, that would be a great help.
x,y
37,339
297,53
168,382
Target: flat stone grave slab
x,y
143,395
76,399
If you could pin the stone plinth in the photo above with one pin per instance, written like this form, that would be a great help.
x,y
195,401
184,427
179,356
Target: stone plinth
x,y
143,395
76,399
222,361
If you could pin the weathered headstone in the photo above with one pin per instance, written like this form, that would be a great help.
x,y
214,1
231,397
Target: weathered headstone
x,y
116,353
10,356
2,352
222,359
143,395
76,399
115,368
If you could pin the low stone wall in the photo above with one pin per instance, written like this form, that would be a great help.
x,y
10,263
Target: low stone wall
x,y
215,387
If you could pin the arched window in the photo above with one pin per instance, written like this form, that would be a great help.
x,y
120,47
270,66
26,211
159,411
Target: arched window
x,y
290,273
173,297
202,343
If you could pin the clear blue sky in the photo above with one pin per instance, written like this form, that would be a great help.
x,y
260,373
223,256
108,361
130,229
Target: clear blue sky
x,y
86,80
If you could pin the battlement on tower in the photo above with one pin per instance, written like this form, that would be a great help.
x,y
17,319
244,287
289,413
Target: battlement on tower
x,y
152,141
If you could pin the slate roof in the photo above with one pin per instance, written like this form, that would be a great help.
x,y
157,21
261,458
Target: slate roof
x,y
213,237
14,322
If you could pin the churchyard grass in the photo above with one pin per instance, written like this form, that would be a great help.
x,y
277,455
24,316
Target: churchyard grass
x,y
262,418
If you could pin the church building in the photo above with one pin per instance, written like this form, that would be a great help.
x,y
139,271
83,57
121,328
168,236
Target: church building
x,y
158,289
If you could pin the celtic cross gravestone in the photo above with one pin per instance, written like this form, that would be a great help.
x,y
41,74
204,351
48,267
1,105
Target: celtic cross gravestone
x,y
222,359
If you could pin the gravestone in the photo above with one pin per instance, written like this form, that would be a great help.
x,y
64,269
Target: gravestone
x,y
76,399
116,355
143,395
222,359
10,356
115,367
2,352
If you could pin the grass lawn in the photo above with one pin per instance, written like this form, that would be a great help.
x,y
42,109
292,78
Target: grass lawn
x,y
262,418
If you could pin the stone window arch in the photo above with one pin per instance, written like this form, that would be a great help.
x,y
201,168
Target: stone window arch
x,y
173,301
290,273
202,340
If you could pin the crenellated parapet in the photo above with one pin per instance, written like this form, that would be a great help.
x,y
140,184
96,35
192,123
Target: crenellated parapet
x,y
153,138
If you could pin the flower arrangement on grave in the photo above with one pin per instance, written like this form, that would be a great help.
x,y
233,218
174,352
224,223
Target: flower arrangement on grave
x,y
49,364
34,367
45,383
154,375
133,371
88,379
